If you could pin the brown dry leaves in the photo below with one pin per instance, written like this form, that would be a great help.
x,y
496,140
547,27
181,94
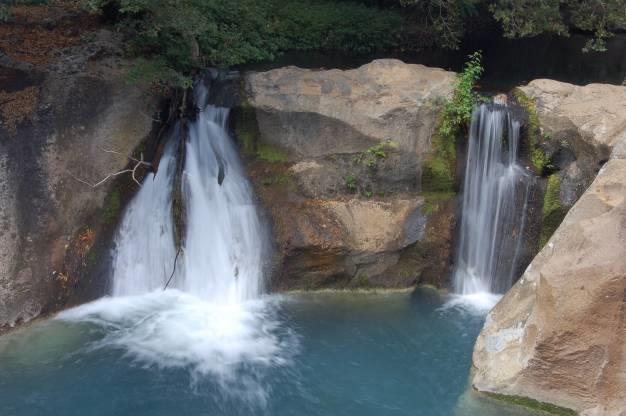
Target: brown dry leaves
x,y
15,107
36,33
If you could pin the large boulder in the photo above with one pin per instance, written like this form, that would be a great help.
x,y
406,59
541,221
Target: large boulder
x,y
579,125
316,113
559,335
63,114
336,158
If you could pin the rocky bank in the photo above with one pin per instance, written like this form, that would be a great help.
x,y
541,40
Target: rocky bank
x,y
559,335
64,109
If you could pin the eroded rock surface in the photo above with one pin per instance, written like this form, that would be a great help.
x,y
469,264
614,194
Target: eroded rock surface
x,y
52,224
559,335
336,157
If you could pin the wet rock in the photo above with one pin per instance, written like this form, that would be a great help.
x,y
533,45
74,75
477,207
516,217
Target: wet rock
x,y
336,157
56,227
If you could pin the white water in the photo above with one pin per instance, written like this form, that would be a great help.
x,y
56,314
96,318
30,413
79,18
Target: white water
x,y
492,218
212,318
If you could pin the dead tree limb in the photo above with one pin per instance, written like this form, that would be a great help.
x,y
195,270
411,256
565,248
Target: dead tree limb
x,y
133,171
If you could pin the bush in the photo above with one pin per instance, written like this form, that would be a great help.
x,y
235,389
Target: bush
x,y
458,111
182,35
438,174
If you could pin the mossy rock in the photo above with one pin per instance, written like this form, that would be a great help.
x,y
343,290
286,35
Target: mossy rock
x,y
535,405
553,210
438,173
540,160
246,128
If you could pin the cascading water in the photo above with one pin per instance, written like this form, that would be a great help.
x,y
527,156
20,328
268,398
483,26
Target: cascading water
x,y
212,318
222,252
495,186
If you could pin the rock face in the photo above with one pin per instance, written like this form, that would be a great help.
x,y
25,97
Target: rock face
x,y
559,335
53,227
580,125
336,158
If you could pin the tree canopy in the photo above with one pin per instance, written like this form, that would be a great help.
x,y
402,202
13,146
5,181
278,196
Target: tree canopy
x,y
176,36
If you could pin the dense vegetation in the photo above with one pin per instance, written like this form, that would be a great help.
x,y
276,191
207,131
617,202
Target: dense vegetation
x,y
176,36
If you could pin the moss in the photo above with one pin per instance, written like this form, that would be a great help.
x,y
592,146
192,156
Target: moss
x,y
112,206
270,154
438,174
361,280
553,211
246,129
432,200
538,157
533,404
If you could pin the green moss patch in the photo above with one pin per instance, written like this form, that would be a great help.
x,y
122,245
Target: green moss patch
x,y
438,174
546,408
553,211
270,154
432,200
246,129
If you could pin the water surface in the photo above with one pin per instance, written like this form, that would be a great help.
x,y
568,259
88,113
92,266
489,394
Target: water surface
x,y
323,354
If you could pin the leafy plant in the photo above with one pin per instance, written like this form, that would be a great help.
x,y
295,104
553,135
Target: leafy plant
x,y
438,172
351,183
458,111
373,154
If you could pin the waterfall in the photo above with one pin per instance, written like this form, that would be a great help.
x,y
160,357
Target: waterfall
x,y
213,318
495,196
222,250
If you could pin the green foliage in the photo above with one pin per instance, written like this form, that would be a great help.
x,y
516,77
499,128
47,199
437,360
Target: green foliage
x,y
270,154
445,19
156,70
533,404
373,154
553,211
433,200
182,35
458,111
438,173
538,157
521,18
351,183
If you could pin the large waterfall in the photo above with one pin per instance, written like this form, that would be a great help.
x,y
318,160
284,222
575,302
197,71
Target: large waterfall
x,y
495,195
212,318
222,250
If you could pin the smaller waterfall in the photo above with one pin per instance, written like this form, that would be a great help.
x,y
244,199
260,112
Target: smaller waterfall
x,y
495,196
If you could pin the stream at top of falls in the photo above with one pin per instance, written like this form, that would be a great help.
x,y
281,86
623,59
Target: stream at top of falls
x,y
213,343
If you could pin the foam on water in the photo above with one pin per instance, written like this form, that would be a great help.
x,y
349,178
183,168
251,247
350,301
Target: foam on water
x,y
175,329
478,303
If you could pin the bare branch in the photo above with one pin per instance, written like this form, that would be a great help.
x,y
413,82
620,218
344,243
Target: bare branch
x,y
133,171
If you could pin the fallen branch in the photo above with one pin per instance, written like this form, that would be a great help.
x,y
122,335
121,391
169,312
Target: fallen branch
x,y
133,171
